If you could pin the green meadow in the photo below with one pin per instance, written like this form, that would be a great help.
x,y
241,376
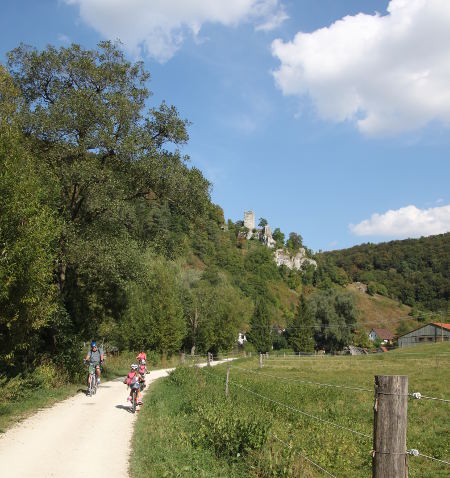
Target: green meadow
x,y
278,420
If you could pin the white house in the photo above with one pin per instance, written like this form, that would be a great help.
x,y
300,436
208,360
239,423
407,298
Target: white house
x,y
242,338
383,335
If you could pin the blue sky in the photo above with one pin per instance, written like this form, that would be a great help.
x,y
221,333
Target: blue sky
x,y
323,116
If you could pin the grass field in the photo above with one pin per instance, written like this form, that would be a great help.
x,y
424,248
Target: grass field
x,y
188,428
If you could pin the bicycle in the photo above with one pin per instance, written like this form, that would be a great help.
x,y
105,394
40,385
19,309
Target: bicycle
x,y
92,381
134,390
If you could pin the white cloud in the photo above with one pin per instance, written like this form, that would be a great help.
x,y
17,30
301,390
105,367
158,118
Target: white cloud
x,y
158,27
405,222
388,73
63,38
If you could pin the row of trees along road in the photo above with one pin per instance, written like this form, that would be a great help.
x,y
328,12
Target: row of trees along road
x,y
327,320
95,199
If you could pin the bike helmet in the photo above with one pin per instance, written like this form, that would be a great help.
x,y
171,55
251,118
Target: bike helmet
x,y
142,362
134,367
93,344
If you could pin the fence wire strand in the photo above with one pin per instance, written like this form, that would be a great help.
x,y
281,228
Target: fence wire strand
x,y
321,384
434,459
289,407
304,457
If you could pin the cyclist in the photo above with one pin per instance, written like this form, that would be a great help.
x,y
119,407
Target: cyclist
x,y
132,377
95,358
142,356
142,368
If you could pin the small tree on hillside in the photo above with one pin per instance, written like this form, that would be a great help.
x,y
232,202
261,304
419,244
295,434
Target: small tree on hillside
x,y
262,222
294,243
278,237
301,331
260,329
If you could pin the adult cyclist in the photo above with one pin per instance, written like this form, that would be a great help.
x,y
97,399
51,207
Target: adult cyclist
x,y
95,358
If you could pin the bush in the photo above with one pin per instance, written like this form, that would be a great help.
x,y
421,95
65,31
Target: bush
x,y
229,431
45,376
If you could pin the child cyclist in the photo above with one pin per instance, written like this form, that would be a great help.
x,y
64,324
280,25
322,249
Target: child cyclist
x,y
142,370
132,377
141,356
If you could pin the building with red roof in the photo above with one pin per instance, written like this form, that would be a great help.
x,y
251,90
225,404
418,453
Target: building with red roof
x,y
432,332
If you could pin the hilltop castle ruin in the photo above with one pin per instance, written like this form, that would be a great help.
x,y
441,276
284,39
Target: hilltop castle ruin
x,y
281,256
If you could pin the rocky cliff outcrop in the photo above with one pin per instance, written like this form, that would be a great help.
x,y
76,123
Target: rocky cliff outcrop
x,y
283,258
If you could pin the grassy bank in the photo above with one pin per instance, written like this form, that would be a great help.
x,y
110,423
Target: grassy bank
x,y
188,428
22,405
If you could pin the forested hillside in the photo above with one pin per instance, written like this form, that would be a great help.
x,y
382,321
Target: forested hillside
x,y
108,232
414,271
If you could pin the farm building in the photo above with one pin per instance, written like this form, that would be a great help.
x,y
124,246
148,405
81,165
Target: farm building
x,y
433,332
383,335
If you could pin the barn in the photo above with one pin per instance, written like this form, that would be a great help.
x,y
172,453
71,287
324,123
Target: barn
x,y
433,332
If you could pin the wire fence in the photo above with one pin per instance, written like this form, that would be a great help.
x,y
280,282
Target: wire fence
x,y
415,395
251,391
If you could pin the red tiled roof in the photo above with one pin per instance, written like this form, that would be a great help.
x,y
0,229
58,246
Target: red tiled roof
x,y
384,334
440,324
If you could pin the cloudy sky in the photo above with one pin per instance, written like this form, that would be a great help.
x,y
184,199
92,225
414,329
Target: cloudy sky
x,y
330,118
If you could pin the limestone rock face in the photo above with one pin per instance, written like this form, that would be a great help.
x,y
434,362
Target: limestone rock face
x,y
269,241
282,258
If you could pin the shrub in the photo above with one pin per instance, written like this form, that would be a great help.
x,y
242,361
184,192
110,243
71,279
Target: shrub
x,y
228,430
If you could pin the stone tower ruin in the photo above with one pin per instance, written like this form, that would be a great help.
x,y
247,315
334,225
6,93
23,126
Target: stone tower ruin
x,y
249,220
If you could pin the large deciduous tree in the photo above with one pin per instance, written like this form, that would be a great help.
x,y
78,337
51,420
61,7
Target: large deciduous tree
x,y
28,234
118,179
335,316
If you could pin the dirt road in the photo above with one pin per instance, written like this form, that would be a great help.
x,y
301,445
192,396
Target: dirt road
x,y
81,436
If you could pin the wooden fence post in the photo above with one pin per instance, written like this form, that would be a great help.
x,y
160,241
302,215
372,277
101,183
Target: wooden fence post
x,y
389,426
182,358
209,359
260,360
228,379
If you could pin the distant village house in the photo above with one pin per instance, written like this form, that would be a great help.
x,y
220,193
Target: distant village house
x,y
383,335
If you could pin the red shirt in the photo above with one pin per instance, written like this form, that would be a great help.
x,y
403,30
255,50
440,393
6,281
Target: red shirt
x,y
142,356
130,377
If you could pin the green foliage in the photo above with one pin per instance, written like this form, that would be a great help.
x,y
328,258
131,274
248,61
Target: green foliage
x,y
361,338
301,330
414,271
375,288
335,316
262,222
227,432
260,328
173,406
106,184
28,234
294,243
154,317
278,237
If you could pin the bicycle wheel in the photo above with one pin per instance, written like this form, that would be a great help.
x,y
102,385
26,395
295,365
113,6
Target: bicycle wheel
x,y
133,401
90,385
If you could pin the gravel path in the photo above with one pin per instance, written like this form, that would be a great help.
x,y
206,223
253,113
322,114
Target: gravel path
x,y
78,437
